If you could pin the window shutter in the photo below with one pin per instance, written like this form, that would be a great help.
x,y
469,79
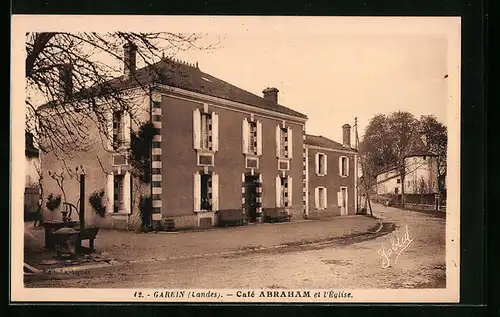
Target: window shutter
x,y
197,191
316,197
290,143
316,166
244,129
278,191
347,166
325,198
339,199
215,132
215,192
259,138
325,164
111,194
340,166
278,141
196,129
126,192
109,120
126,128
290,191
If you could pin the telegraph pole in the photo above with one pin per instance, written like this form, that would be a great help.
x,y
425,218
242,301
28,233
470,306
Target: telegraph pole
x,y
356,145
367,197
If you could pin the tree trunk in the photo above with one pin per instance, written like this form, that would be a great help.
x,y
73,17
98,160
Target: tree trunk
x,y
402,173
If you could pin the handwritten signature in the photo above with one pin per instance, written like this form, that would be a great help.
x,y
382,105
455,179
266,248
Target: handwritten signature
x,y
398,245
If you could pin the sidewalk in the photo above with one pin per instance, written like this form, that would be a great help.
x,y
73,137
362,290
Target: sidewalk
x,y
126,246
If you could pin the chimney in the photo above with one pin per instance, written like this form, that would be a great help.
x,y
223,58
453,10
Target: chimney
x,y
346,135
66,79
271,94
129,59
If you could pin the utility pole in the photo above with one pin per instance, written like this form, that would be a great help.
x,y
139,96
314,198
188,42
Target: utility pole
x,y
356,145
365,187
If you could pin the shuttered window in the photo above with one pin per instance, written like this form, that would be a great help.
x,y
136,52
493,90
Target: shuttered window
x,y
205,131
251,137
206,192
284,142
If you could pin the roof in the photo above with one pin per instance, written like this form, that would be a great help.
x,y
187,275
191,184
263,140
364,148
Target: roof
x,y
321,141
190,77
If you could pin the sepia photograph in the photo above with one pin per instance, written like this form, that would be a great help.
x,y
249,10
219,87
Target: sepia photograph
x,y
235,159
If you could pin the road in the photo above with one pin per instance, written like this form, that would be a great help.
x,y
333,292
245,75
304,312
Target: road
x,y
418,261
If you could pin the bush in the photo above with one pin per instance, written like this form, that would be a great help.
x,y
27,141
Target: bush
x,y
146,209
53,202
95,201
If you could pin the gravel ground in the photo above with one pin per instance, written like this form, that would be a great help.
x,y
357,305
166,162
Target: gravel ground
x,y
354,263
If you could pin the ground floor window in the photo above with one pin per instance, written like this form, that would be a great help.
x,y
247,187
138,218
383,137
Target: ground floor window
x,y
283,191
206,191
119,202
320,197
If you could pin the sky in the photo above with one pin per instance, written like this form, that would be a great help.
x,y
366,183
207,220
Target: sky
x,y
332,69
335,77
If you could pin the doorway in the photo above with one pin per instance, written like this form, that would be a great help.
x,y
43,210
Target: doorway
x,y
343,207
251,183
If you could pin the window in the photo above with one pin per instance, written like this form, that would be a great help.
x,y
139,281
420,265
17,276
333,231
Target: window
x,y
320,198
252,144
117,129
205,131
206,192
284,142
283,191
398,181
344,166
252,137
321,164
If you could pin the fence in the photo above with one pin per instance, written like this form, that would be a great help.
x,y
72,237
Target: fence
x,y
31,197
415,201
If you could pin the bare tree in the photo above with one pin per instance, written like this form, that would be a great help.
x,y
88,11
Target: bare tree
x,y
74,74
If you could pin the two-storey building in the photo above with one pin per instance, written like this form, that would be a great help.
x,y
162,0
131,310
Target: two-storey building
x,y
331,187
217,147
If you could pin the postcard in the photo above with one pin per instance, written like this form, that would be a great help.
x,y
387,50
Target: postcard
x,y
225,159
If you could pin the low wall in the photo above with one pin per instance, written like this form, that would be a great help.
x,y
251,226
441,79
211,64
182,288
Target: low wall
x,y
420,206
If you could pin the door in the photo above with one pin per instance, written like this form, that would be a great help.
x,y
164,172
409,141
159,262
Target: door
x,y
251,197
343,208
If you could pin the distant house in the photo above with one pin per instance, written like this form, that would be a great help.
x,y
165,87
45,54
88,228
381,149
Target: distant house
x,y
331,176
420,173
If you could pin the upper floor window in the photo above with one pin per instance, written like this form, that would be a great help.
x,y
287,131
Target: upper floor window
x,y
344,166
284,144
205,131
398,181
120,130
321,164
251,137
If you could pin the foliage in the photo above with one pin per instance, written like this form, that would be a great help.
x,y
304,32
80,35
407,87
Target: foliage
x,y
390,139
82,106
146,210
140,151
95,201
53,202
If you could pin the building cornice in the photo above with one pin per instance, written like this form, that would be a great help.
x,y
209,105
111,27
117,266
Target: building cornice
x,y
224,103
